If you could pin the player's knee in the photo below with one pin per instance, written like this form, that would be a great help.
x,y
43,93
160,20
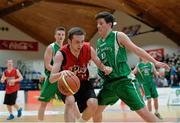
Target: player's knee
x,y
69,100
92,104
155,99
43,105
149,100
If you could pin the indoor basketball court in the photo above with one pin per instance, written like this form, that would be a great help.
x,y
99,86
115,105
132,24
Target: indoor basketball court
x,y
116,113
32,32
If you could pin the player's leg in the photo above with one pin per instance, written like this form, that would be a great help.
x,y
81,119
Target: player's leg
x,y
41,110
149,104
134,100
156,108
90,109
47,93
146,115
11,116
156,105
69,113
77,112
105,97
86,100
10,100
19,110
98,114
155,99
147,89
13,103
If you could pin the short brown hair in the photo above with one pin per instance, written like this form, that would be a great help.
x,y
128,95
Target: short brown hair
x,y
108,17
60,28
75,31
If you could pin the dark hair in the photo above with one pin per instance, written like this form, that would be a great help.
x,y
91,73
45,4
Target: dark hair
x,y
60,28
75,31
108,17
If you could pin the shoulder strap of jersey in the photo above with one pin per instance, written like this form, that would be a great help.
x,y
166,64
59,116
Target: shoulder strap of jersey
x,y
152,65
52,46
53,50
120,45
140,72
64,58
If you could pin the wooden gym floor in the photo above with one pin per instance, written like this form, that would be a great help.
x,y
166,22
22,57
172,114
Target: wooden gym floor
x,y
115,113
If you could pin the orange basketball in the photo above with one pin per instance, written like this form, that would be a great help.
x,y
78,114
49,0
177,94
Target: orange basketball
x,y
68,85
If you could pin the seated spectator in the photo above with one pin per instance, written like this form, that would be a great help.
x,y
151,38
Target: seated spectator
x,y
177,78
162,82
172,73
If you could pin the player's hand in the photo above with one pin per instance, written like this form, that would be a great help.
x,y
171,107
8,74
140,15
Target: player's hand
x,y
67,73
11,82
161,64
107,70
3,79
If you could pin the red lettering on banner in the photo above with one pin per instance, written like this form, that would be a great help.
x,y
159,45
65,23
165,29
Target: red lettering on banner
x,y
18,45
156,53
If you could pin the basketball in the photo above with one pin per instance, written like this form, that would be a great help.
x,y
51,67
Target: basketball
x,y
68,85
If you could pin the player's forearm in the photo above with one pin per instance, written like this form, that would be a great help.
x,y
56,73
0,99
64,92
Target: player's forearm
x,y
54,77
99,64
49,67
2,81
96,60
143,54
18,79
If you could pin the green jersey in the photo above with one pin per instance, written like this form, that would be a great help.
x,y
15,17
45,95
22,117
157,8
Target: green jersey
x,y
145,72
49,90
112,54
55,47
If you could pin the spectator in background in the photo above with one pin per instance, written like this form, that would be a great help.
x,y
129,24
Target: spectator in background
x,y
166,58
172,73
178,62
161,81
177,77
173,61
12,78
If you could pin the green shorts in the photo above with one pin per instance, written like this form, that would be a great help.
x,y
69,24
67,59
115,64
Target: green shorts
x,y
49,91
124,89
150,90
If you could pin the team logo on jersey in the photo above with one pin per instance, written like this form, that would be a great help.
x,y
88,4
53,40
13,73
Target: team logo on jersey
x,y
80,71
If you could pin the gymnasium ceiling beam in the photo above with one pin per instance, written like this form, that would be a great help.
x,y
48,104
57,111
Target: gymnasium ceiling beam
x,y
10,6
39,20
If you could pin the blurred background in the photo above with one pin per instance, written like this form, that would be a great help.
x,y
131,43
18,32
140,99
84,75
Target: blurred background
x,y
27,27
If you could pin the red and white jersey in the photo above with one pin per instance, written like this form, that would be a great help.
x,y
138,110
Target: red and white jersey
x,y
11,75
77,65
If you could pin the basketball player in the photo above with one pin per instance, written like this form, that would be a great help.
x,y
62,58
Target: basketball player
x,y
120,84
144,73
49,90
75,57
12,77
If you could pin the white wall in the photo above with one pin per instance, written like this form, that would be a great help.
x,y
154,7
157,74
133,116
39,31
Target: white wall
x,y
154,40
33,58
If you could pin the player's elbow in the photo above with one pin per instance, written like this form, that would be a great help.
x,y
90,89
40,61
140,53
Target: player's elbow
x,y
51,79
48,67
